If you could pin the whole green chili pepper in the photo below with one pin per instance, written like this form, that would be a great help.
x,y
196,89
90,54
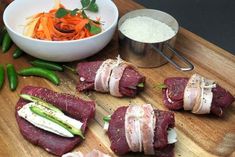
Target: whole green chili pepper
x,y
6,43
12,77
40,102
2,33
2,75
45,73
17,53
47,65
48,114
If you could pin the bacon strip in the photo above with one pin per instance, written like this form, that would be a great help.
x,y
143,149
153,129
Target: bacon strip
x,y
93,153
108,76
115,79
198,94
139,128
203,103
132,127
192,91
147,129
103,75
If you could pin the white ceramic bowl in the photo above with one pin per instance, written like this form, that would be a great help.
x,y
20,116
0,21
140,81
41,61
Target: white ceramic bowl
x,y
61,51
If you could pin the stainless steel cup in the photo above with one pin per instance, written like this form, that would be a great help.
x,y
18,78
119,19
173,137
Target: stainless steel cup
x,y
151,54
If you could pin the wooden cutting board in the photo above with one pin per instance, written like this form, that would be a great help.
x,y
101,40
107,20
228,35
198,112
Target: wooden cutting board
x,y
203,135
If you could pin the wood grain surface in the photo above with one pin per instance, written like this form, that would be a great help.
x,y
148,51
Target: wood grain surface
x,y
198,135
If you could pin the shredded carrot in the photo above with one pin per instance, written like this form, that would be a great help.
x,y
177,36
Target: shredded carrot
x,y
46,26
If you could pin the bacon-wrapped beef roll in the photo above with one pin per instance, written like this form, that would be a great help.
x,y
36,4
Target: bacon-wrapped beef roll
x,y
114,76
198,94
140,128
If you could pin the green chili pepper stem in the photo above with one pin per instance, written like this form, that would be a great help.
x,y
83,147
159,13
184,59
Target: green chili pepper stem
x,y
12,77
2,75
45,73
70,69
141,85
107,118
17,53
160,86
6,43
47,65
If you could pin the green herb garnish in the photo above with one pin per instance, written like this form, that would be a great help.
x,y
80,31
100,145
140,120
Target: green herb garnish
x,y
94,29
86,5
61,12
89,5
74,12
84,14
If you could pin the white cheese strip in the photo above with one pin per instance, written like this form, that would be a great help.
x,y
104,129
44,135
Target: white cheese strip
x,y
171,136
106,126
115,78
147,129
41,122
133,116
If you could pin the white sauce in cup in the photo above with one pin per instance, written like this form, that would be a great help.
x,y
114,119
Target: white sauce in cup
x,y
146,29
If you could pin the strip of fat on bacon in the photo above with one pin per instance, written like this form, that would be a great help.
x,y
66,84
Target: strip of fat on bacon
x,y
96,153
93,153
133,134
198,94
192,91
147,129
115,78
103,75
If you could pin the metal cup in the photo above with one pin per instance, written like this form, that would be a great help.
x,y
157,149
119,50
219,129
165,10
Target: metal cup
x,y
151,54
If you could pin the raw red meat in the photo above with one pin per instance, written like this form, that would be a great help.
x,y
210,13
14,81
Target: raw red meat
x,y
176,85
116,132
221,100
70,105
164,120
130,79
175,89
128,83
87,70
